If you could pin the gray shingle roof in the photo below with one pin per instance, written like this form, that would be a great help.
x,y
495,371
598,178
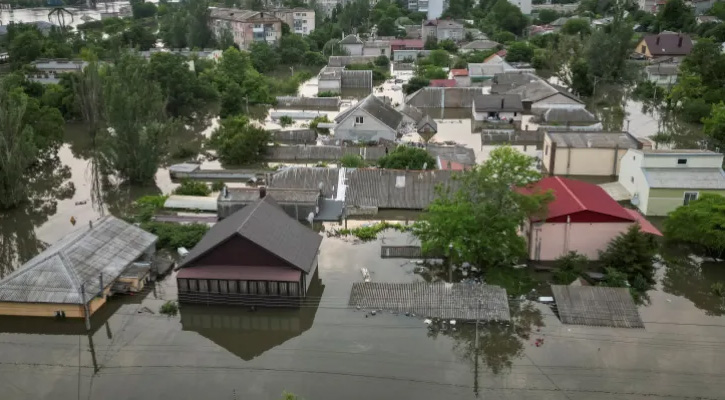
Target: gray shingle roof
x,y
378,109
268,226
668,44
596,306
56,274
622,140
351,39
497,102
685,178
663,69
572,115
307,178
426,121
280,195
480,45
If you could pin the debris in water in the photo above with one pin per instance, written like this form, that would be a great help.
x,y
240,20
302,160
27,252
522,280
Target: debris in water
x,y
80,203
453,322
373,312
427,322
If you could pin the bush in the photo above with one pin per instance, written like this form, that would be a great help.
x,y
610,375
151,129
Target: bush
x,y
238,142
285,120
328,94
370,232
695,110
352,161
699,225
382,61
315,121
172,236
217,186
192,188
144,208
169,308
569,267
406,157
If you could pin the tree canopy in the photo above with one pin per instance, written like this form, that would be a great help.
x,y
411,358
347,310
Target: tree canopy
x,y
239,142
632,253
479,221
699,225
407,157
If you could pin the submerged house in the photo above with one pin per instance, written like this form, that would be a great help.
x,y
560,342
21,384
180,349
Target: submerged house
x,y
73,277
257,256
300,204
582,218
371,119
659,181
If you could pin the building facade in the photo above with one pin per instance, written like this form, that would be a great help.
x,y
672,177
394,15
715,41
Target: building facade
x,y
659,181
246,26
523,5
586,153
442,29
371,119
299,20
49,70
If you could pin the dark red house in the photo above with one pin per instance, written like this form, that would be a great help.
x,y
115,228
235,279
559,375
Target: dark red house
x,y
406,44
258,255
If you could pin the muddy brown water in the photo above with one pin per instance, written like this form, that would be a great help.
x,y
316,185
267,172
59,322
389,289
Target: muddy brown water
x,y
325,350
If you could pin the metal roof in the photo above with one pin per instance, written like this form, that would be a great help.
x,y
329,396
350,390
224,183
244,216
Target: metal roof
x,y
497,102
268,226
571,115
668,44
480,45
663,69
394,189
56,274
376,107
318,178
295,136
281,196
462,154
606,140
685,178
596,306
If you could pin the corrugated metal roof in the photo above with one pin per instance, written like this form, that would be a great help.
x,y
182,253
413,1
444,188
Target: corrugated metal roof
x,y
396,189
572,115
497,102
268,226
596,306
307,178
296,136
480,45
281,196
56,274
685,178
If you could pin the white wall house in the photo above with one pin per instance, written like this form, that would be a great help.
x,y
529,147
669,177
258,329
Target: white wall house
x,y
352,44
586,153
659,181
371,119
663,74
497,107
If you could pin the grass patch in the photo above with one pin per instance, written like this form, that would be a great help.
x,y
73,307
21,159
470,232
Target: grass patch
x,y
193,188
172,236
169,308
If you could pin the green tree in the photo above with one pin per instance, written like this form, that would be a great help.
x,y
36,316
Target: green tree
x,y
316,121
138,36
608,49
439,58
313,58
238,83
193,188
519,52
140,9
504,37
17,146
479,222
448,45
633,254
292,48
88,88
264,57
185,93
547,16
431,43
134,108
406,157
239,142
715,125
285,120
382,61
569,267
506,16
414,84
718,10
386,27
699,225
676,16
576,26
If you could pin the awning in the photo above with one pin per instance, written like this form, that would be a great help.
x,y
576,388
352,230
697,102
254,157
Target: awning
x,y
231,272
645,226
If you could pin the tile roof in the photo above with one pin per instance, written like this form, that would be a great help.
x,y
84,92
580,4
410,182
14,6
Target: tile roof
x,y
376,107
572,197
497,102
56,274
622,140
668,44
268,226
459,72
442,83
685,178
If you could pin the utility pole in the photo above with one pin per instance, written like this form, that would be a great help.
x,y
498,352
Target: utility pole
x,y
475,370
85,307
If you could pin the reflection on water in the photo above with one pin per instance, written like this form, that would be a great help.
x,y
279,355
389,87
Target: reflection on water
x,y
499,343
694,281
248,334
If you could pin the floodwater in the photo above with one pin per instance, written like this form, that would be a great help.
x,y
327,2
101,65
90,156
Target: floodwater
x,y
325,350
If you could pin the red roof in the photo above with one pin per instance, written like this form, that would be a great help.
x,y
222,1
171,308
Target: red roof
x,y
443,83
644,225
444,164
409,43
459,72
234,272
580,202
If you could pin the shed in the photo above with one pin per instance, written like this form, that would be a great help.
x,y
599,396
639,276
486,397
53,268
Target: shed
x,y
596,306
75,275
497,107
586,153
258,255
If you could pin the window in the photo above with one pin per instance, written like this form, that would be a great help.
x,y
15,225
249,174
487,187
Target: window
x,y
644,49
261,287
252,287
203,285
359,120
283,288
681,161
273,288
183,285
223,287
214,286
243,287
257,26
690,196
193,285
546,150
232,286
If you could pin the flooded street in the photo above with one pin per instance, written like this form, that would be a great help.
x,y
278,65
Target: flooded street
x,y
324,350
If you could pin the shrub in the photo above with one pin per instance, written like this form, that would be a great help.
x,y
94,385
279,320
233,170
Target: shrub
x,y
569,267
328,94
144,208
173,236
217,186
406,157
352,161
285,120
169,308
192,188
316,121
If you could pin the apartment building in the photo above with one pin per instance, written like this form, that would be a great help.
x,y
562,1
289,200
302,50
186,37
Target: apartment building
x,y
246,26
300,20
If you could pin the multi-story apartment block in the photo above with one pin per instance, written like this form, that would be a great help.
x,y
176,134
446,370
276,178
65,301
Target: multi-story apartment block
x,y
300,20
246,26
443,29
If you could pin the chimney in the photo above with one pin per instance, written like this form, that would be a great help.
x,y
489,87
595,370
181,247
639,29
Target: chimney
x,y
658,40
679,43
502,100
262,192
